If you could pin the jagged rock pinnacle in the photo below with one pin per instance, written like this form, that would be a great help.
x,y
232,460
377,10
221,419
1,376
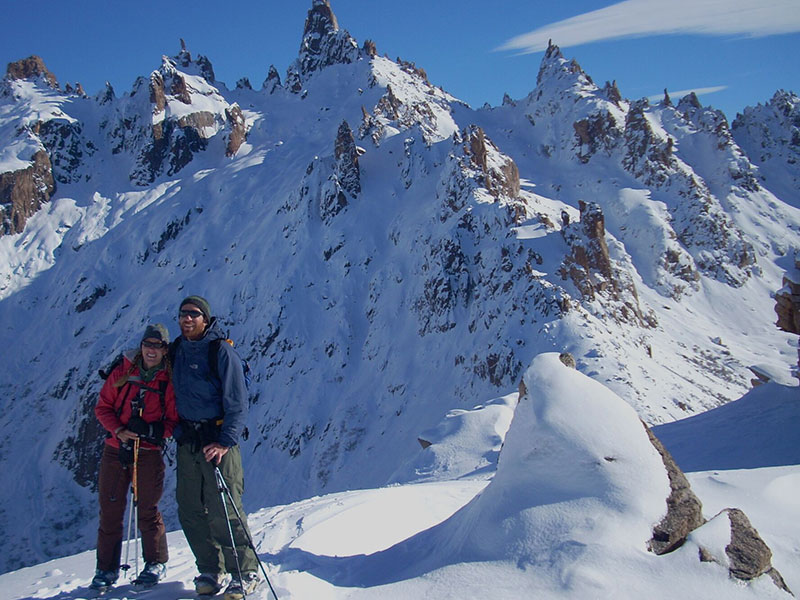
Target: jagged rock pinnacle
x,y
320,19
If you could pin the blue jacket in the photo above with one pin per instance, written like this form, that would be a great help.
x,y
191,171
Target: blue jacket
x,y
199,395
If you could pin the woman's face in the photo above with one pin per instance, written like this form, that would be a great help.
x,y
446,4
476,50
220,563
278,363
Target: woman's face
x,y
153,351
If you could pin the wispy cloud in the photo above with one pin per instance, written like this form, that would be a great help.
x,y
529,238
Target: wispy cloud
x,y
641,18
681,93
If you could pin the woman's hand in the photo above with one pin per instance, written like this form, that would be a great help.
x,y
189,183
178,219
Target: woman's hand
x,y
126,435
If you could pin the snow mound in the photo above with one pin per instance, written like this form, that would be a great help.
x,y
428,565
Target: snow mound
x,y
573,449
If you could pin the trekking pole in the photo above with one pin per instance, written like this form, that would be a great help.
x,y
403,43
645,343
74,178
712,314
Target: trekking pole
x,y
133,513
125,566
135,486
223,489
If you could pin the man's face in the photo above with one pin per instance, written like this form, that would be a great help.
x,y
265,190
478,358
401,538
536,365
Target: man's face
x,y
192,322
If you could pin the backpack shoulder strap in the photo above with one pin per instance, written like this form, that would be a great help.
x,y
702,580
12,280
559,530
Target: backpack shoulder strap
x,y
213,357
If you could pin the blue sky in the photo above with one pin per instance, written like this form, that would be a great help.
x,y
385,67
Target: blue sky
x,y
739,52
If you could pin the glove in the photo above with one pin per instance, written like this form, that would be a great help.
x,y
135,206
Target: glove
x,y
150,432
126,454
138,425
156,435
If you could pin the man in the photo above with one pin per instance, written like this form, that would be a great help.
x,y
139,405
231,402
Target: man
x,y
212,406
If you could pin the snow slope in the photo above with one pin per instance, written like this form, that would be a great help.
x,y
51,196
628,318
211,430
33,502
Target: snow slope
x,y
579,532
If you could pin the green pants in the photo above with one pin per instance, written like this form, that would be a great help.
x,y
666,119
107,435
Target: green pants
x,y
202,513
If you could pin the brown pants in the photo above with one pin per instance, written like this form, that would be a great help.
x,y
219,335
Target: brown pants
x,y
113,488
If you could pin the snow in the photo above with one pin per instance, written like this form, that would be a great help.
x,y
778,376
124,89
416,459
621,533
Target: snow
x,y
566,515
412,314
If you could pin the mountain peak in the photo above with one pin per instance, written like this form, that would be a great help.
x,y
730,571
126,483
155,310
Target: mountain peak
x,y
555,66
201,66
32,67
323,44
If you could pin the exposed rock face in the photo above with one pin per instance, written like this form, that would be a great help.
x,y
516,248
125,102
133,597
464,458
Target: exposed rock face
x,y
566,359
23,192
599,132
332,182
370,49
238,132
173,146
787,300
500,179
346,155
31,68
591,269
684,509
68,149
787,303
184,59
648,157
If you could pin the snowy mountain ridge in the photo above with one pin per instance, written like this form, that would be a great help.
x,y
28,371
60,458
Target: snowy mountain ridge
x,y
381,252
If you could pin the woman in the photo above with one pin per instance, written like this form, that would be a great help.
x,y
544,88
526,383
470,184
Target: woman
x,y
137,408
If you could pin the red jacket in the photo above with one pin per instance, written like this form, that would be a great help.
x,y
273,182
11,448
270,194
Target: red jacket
x,y
113,408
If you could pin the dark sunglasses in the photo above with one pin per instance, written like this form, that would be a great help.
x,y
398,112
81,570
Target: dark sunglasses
x,y
190,313
147,344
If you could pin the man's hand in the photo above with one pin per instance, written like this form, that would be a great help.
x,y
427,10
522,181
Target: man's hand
x,y
214,452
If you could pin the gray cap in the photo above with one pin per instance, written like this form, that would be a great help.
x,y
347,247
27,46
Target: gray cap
x,y
157,331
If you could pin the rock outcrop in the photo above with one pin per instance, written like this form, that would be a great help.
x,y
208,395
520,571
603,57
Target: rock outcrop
x,y
23,192
684,509
345,152
589,266
185,112
787,303
746,556
32,67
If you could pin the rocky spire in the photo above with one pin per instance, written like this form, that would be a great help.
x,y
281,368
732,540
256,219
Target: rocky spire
x,y
346,155
323,45
273,80
106,95
202,64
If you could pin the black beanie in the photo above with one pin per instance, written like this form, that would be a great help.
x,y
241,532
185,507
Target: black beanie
x,y
201,303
